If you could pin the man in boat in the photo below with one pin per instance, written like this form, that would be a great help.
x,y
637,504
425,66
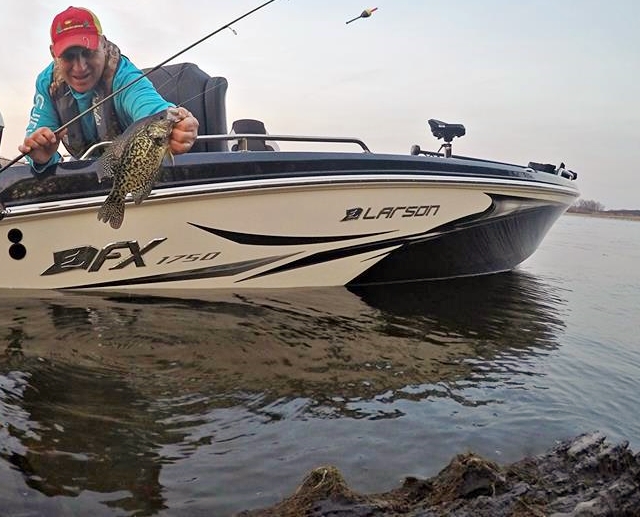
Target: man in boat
x,y
86,68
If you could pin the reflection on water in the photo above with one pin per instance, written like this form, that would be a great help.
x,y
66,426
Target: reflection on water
x,y
99,393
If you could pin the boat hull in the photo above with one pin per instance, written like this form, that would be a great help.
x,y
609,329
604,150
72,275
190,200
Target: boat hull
x,y
284,231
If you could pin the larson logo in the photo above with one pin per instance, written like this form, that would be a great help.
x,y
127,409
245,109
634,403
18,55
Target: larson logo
x,y
388,212
92,259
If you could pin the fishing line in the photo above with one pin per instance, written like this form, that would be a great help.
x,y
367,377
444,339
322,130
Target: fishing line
x,y
176,78
211,88
122,88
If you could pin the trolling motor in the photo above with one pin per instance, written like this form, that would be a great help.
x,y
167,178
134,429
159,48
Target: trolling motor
x,y
442,130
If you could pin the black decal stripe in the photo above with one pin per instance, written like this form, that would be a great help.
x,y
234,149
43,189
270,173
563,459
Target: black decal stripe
x,y
193,274
330,255
281,240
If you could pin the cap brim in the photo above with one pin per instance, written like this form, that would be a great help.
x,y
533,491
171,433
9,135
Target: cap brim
x,y
90,41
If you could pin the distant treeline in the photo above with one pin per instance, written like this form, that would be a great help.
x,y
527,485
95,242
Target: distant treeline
x,y
588,206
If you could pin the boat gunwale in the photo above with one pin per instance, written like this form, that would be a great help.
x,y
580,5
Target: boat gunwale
x,y
190,175
269,184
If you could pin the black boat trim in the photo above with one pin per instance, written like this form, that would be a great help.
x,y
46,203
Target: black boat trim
x,y
281,240
76,181
193,274
358,249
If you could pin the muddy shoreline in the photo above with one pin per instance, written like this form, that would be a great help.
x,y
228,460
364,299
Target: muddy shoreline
x,y
584,476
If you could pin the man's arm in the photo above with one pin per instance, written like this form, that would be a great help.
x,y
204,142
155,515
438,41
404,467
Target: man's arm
x,y
40,141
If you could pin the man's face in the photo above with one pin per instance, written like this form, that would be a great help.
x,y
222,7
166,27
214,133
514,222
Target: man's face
x,y
82,68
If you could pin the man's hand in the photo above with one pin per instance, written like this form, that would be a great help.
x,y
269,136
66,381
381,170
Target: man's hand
x,y
41,145
184,132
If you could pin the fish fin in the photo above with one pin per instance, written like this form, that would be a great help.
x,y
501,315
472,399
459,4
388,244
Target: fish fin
x,y
112,211
142,193
104,166
107,164
168,158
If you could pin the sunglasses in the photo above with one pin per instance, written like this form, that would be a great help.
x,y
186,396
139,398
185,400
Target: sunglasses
x,y
76,53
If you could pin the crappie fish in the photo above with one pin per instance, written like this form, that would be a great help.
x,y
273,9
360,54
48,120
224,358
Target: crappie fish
x,y
134,160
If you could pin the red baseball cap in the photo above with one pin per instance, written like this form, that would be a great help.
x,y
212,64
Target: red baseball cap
x,y
75,27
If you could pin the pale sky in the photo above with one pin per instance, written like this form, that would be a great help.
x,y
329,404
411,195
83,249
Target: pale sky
x,y
535,80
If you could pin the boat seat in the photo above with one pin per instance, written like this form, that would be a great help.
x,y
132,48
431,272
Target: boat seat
x,y
185,84
446,131
249,126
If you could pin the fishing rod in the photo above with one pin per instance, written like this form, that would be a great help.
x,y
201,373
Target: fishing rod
x,y
131,83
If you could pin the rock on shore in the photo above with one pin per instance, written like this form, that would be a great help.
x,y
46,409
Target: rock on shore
x,y
585,476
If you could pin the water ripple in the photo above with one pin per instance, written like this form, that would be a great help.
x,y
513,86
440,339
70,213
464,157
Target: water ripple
x,y
159,404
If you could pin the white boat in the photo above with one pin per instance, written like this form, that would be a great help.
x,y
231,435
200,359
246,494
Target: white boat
x,y
237,212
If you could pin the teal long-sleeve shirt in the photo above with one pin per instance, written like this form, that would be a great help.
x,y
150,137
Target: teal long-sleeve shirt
x,y
135,102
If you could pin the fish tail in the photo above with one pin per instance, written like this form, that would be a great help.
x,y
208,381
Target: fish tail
x,y
112,211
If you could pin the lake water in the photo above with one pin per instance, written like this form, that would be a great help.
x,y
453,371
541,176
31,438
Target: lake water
x,y
113,405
